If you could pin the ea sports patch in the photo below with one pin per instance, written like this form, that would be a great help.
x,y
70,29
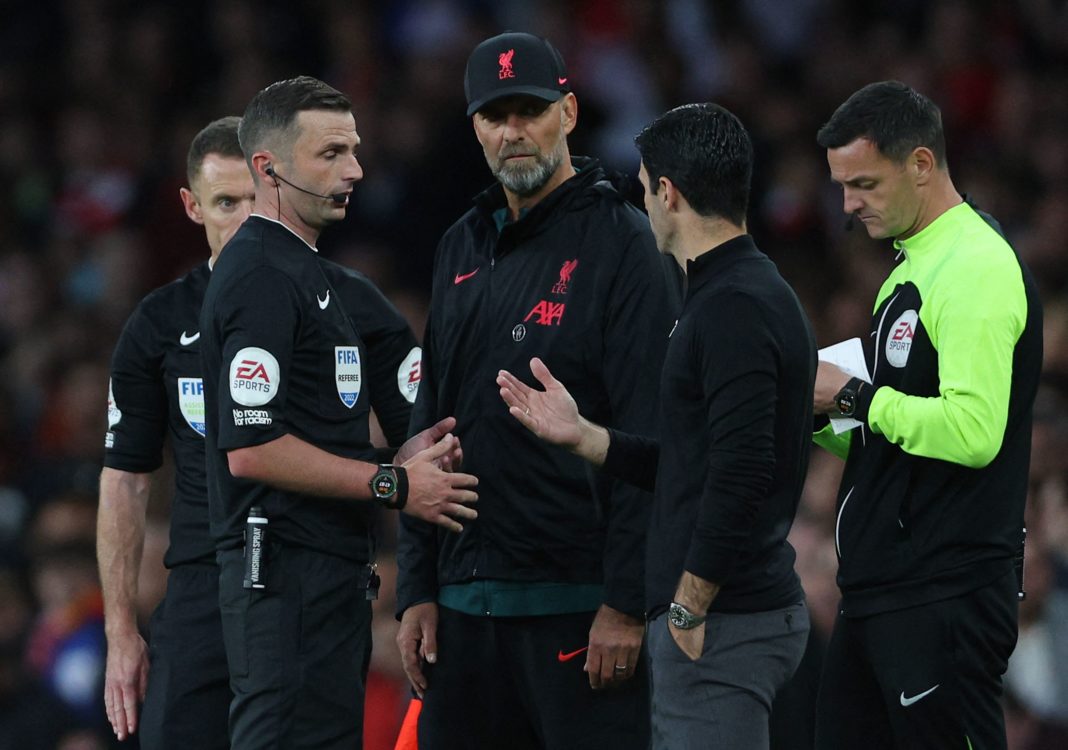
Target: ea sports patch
x,y
191,403
410,373
899,340
254,375
347,374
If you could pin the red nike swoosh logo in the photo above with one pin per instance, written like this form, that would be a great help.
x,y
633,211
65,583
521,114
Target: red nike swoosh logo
x,y
465,276
568,657
561,81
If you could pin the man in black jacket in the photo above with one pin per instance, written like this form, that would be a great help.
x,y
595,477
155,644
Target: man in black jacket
x,y
506,627
728,622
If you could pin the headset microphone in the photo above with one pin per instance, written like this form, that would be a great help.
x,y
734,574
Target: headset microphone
x,y
339,198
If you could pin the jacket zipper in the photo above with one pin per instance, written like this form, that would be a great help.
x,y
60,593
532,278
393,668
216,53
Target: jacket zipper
x,y
838,523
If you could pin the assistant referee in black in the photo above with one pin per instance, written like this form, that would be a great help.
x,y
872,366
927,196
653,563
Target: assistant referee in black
x,y
288,434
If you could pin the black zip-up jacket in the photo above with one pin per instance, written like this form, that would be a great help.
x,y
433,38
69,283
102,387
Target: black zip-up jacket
x,y
577,281
736,402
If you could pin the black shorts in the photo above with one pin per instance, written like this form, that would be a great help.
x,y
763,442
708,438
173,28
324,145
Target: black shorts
x,y
188,697
499,682
919,678
298,650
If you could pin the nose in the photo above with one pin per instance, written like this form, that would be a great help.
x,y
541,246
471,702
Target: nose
x,y
353,170
513,127
850,202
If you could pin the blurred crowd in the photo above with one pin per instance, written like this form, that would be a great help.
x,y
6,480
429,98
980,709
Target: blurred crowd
x,y
99,100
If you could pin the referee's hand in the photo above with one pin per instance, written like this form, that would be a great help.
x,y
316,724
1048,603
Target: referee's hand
x,y
439,496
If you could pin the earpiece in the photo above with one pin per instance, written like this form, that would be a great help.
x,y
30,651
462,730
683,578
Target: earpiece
x,y
269,171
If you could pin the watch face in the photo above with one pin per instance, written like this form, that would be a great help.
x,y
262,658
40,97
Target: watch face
x,y
384,484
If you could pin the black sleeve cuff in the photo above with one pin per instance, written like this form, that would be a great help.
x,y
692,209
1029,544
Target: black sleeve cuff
x,y
865,394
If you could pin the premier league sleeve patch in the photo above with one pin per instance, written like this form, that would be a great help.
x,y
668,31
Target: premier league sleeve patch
x,y
191,402
254,376
347,374
409,374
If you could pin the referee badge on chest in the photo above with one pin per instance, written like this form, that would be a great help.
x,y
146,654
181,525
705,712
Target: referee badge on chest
x,y
191,402
347,374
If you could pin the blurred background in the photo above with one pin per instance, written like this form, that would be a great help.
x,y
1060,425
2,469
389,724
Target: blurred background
x,y
99,100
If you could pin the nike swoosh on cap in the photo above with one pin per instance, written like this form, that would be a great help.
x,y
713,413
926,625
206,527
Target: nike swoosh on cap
x,y
187,340
561,656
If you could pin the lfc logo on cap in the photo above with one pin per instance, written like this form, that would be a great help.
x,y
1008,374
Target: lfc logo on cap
x,y
505,61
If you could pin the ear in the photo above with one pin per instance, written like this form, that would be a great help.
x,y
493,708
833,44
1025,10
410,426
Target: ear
x,y
922,160
668,194
260,161
569,112
192,205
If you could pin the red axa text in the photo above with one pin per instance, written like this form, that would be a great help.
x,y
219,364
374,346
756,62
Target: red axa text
x,y
548,313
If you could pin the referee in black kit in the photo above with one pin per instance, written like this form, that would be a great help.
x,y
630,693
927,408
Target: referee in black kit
x,y
288,435
155,392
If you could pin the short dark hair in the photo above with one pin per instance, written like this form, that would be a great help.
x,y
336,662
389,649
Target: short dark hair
x,y
273,112
706,152
218,137
893,116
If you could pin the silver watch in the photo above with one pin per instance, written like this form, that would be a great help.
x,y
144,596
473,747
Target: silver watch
x,y
684,619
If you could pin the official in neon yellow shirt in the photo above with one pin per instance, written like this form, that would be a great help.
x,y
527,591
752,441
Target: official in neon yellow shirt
x,y
929,516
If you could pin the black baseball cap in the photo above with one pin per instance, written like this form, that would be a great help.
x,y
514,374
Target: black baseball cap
x,y
514,63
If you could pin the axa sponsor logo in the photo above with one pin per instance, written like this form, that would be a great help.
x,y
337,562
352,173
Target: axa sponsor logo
x,y
191,403
348,374
252,418
410,373
546,313
560,287
505,61
899,339
254,375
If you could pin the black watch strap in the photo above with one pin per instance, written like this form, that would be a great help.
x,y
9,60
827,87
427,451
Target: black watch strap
x,y
389,486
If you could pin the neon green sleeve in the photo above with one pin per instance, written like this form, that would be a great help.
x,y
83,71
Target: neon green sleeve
x,y
836,444
974,313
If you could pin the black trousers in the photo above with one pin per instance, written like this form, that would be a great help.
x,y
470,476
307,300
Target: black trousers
x,y
188,698
298,650
919,678
499,683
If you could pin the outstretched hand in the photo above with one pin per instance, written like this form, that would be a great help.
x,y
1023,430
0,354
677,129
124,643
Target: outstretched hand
x,y
449,461
551,414
436,495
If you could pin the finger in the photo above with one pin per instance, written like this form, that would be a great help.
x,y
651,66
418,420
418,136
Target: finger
x,y
448,524
463,496
458,480
430,641
507,380
410,660
129,702
593,666
542,374
442,428
461,511
435,451
523,415
510,398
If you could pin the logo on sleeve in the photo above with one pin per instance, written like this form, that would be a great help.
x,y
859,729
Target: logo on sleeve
x,y
191,403
410,373
347,373
114,416
254,376
899,340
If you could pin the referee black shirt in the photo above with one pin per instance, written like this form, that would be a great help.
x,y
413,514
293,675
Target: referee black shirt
x,y
155,391
281,357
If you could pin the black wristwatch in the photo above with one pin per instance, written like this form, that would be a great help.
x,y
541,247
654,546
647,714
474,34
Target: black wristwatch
x,y
684,619
846,399
389,486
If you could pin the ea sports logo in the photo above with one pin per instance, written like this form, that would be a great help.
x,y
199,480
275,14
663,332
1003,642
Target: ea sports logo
x,y
899,338
253,376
